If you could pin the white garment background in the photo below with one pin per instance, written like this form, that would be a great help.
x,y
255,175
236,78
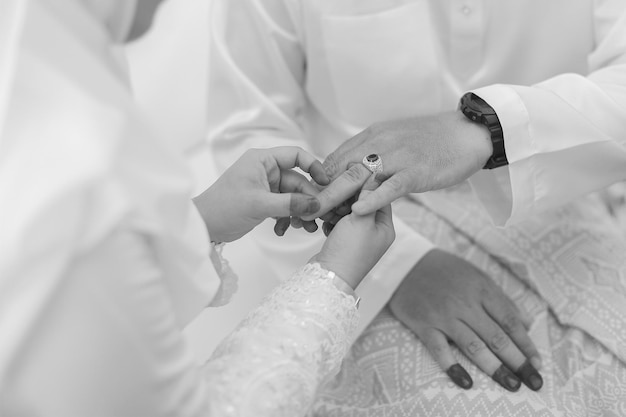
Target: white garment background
x,y
169,68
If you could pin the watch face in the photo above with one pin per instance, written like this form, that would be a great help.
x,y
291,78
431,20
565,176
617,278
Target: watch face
x,y
476,109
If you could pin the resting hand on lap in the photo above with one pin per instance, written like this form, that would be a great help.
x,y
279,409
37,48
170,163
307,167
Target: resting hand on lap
x,y
260,184
445,298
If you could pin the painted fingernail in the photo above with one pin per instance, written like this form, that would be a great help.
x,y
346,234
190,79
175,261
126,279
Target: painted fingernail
x,y
312,206
281,226
459,376
530,376
506,378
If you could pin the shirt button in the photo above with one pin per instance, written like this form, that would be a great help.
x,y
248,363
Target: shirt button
x,y
466,10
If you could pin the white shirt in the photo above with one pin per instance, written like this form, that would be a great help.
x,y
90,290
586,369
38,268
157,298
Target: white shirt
x,y
314,73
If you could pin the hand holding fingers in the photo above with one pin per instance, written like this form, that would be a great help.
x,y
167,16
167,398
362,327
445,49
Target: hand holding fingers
x,y
341,189
259,185
300,190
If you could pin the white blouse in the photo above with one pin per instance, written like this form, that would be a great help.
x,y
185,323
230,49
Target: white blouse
x,y
105,260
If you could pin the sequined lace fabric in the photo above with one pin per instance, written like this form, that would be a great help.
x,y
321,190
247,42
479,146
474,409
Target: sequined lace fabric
x,y
566,268
273,363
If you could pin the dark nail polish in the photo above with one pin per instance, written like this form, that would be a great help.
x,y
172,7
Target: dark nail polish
x,y
313,206
530,376
459,376
506,378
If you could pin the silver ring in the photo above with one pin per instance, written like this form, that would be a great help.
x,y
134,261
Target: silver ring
x,y
374,163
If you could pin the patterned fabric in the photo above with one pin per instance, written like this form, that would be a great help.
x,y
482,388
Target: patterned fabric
x,y
273,362
567,269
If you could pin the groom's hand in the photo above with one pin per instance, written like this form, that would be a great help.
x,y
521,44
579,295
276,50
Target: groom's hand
x,y
445,298
418,154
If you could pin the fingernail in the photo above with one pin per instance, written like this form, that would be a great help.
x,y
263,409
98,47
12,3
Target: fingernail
x,y
530,376
312,206
536,362
459,376
506,378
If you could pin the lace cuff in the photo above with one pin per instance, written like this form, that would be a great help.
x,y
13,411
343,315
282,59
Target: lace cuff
x,y
228,278
272,364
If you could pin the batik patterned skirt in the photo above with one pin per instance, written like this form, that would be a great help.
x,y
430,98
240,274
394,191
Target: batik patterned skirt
x,y
565,268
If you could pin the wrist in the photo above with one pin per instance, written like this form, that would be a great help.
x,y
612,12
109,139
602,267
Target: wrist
x,y
476,134
478,111
338,282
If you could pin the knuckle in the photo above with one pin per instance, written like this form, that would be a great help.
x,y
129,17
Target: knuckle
x,y
511,323
330,165
354,173
436,349
474,347
395,185
499,341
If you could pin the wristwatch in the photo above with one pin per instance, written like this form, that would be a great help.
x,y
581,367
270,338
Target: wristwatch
x,y
477,110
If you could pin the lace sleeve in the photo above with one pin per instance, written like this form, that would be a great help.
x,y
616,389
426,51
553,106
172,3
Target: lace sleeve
x,y
272,364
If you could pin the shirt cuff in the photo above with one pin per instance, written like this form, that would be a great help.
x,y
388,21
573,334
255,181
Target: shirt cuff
x,y
379,285
507,192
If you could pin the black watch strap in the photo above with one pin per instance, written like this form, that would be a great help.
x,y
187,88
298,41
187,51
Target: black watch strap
x,y
477,110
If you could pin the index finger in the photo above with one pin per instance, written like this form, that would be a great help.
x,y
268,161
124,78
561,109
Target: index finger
x,y
288,157
338,160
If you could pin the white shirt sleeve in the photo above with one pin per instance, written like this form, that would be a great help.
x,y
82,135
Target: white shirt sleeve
x,y
565,136
257,98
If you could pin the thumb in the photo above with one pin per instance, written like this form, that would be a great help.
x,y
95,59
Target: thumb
x,y
367,189
370,185
385,194
289,204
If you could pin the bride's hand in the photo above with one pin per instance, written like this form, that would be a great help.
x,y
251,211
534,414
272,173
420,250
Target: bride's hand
x,y
356,243
260,184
